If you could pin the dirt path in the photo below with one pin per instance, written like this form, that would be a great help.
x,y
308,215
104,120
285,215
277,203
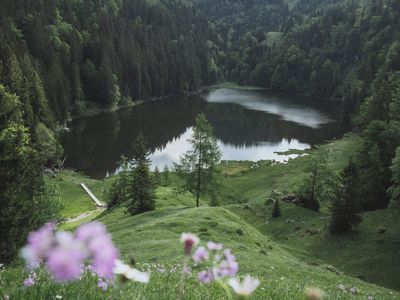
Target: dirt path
x,y
84,215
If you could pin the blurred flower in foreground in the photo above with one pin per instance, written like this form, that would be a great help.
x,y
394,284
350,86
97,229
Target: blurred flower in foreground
x,y
189,241
64,253
245,288
223,262
29,282
129,273
313,293
39,243
200,254
102,284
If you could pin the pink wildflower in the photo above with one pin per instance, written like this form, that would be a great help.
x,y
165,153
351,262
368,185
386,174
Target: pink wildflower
x,y
189,241
102,284
205,276
29,282
39,243
64,261
214,246
200,254
101,248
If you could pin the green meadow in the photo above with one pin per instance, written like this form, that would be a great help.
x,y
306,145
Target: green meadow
x,y
288,254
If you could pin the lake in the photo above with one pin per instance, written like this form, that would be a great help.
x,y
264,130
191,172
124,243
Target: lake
x,y
249,125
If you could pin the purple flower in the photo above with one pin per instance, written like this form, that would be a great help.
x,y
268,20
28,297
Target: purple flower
x,y
214,246
29,282
64,261
102,284
224,262
39,243
200,254
88,231
64,254
100,246
206,276
104,255
227,268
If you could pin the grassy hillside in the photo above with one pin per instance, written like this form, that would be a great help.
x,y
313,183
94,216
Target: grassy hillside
x,y
249,182
288,254
369,253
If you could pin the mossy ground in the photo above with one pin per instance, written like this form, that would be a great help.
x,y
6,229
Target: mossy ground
x,y
288,253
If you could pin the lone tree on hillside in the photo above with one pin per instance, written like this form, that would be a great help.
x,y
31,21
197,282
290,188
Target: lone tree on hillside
x,y
141,189
320,183
346,206
198,166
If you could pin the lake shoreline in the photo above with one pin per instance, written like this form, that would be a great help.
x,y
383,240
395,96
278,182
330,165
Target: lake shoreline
x,y
94,111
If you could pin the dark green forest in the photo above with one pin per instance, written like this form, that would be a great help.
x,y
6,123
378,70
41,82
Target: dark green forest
x,y
60,58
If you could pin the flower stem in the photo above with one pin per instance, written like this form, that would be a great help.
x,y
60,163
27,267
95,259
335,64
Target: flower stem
x,y
181,288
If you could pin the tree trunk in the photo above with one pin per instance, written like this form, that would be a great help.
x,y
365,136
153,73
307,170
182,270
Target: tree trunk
x,y
198,178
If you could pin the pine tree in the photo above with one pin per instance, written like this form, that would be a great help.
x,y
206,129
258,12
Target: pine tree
x,y
276,210
198,166
346,205
157,177
142,188
166,176
26,201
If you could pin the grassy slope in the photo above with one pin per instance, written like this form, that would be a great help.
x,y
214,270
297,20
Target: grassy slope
x,y
287,256
283,275
245,184
74,198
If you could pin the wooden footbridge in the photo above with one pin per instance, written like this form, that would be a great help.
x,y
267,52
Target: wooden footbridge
x,y
92,196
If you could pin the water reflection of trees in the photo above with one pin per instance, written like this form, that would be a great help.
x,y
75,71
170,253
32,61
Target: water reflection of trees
x,y
96,143
237,126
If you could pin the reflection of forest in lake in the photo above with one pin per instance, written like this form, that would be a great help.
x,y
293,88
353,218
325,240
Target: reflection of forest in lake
x,y
250,127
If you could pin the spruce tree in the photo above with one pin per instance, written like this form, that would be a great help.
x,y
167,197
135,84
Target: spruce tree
x,y
345,206
26,201
166,176
142,188
198,166
157,177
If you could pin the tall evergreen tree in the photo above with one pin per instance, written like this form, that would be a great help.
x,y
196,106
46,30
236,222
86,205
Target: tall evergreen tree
x,y
157,177
142,188
198,166
166,176
345,207
25,200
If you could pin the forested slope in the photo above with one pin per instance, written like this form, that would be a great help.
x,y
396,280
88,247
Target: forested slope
x,y
107,52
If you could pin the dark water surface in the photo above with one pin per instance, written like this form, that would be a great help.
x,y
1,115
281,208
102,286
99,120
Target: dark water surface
x,y
249,125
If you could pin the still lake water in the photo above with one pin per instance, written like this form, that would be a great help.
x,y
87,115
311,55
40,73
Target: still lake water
x,y
249,125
